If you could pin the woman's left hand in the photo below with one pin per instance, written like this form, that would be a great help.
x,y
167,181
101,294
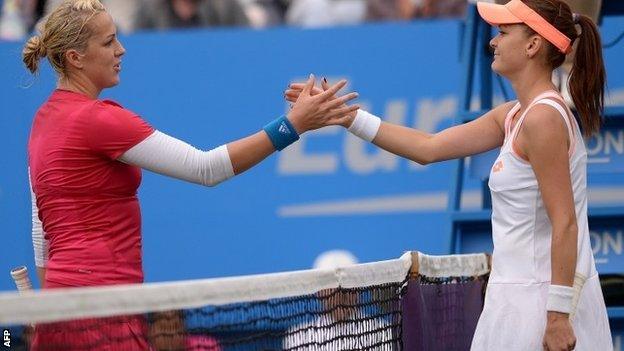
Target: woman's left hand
x,y
294,91
559,335
314,109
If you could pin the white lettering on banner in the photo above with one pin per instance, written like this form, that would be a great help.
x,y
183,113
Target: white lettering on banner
x,y
606,143
294,159
358,156
606,243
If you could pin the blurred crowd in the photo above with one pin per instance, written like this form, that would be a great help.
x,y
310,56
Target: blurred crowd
x,y
19,17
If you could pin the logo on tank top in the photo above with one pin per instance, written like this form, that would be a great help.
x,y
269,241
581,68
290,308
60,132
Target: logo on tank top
x,y
498,166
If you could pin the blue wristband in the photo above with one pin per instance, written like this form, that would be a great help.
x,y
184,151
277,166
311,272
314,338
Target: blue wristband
x,y
281,133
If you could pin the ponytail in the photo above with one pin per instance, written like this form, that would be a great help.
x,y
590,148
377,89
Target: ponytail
x,y
587,77
33,52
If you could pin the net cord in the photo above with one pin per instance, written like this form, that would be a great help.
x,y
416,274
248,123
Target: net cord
x,y
65,304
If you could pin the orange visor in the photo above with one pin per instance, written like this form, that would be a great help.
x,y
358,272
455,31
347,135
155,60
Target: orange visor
x,y
516,11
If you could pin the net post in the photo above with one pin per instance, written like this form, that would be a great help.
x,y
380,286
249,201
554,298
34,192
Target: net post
x,y
414,269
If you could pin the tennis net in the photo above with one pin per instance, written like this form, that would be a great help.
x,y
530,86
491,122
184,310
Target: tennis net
x,y
359,307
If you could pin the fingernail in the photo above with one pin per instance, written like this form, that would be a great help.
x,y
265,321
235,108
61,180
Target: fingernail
x,y
311,76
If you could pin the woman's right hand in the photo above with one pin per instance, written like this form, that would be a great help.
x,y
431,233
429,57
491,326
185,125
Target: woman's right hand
x,y
314,108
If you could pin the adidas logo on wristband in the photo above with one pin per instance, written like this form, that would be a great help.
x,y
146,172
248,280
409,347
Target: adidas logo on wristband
x,y
281,133
283,128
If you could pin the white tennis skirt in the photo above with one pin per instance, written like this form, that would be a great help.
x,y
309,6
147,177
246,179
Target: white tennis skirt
x,y
514,318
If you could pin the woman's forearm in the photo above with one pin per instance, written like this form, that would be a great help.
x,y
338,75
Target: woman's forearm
x,y
406,142
563,255
463,140
248,152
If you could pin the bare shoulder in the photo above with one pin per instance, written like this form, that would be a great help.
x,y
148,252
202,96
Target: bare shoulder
x,y
499,113
545,123
543,135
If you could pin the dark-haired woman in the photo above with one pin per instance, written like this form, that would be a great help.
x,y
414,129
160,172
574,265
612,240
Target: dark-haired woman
x,y
543,292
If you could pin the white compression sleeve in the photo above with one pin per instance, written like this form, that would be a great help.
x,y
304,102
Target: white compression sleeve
x,y
40,244
172,157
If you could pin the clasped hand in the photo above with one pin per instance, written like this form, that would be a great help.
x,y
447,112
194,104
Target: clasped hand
x,y
315,108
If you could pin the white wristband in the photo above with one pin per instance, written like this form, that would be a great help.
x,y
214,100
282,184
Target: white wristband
x,y
560,298
365,125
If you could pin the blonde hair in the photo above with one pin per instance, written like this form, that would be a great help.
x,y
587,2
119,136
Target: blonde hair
x,y
63,29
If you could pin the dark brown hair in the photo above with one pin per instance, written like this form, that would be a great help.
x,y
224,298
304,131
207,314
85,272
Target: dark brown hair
x,y
587,78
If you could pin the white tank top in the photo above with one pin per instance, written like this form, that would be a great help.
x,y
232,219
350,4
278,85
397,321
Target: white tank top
x,y
514,312
521,228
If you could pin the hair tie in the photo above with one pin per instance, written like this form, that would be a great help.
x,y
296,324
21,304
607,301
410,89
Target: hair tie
x,y
36,43
576,18
42,51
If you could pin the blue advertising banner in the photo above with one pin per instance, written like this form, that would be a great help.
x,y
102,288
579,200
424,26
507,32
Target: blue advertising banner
x,y
329,190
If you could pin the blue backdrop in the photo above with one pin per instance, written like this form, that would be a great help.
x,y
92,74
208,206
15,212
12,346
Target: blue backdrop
x,y
328,191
